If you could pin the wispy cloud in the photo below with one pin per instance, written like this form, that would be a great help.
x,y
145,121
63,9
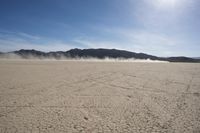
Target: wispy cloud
x,y
145,37
135,40
28,36
126,39
11,34
16,44
10,41
92,43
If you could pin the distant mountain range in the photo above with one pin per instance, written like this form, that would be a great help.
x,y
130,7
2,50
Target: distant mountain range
x,y
92,53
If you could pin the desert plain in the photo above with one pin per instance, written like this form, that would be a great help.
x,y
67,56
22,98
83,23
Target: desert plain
x,y
91,96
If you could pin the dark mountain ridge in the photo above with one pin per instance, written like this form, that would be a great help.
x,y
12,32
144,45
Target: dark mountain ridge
x,y
93,53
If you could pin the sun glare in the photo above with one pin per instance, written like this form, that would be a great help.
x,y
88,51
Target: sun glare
x,y
167,4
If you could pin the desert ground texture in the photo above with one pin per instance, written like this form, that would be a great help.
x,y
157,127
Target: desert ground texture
x,y
88,96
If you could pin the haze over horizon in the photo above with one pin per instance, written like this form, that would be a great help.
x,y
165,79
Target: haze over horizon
x,y
157,27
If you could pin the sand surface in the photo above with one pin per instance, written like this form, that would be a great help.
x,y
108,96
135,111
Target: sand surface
x,y
78,96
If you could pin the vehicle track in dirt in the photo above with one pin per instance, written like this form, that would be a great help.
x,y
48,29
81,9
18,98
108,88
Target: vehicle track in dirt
x,y
77,96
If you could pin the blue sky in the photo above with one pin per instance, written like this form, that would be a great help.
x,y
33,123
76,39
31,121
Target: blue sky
x,y
158,27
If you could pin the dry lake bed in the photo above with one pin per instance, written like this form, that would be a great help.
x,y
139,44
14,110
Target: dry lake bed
x,y
90,97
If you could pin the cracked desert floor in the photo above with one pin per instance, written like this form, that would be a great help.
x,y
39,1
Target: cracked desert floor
x,y
90,97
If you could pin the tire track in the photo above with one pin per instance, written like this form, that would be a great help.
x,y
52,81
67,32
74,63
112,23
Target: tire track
x,y
181,105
